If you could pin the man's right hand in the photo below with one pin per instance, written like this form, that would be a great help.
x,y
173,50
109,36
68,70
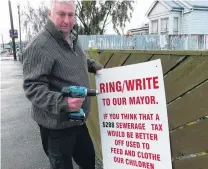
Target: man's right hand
x,y
75,103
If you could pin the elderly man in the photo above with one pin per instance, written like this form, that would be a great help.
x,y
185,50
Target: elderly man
x,y
53,60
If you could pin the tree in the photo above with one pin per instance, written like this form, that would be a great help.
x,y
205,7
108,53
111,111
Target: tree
x,y
95,16
34,19
92,16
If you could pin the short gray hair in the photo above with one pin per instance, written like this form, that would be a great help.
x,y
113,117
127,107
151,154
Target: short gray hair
x,y
52,3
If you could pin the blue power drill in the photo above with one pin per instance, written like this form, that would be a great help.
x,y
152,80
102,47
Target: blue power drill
x,y
78,92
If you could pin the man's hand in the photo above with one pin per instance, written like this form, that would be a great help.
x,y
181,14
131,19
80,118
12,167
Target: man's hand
x,y
98,71
75,103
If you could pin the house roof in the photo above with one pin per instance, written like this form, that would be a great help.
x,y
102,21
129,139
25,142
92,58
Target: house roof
x,y
198,3
146,27
178,4
169,4
172,4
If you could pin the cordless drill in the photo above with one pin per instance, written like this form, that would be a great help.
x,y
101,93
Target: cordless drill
x,y
78,92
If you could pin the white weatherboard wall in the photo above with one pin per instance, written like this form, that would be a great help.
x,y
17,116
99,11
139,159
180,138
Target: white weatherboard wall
x,y
158,9
198,23
158,12
185,23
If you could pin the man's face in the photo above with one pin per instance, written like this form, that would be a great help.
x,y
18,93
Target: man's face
x,y
63,16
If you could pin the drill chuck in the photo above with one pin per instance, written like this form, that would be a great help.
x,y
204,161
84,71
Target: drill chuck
x,y
92,92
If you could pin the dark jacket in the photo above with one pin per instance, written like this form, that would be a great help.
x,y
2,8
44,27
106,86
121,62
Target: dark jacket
x,y
50,64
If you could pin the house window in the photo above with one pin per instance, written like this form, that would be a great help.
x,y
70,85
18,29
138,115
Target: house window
x,y
164,25
154,27
175,25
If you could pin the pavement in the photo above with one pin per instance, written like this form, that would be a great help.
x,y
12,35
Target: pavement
x,y
20,141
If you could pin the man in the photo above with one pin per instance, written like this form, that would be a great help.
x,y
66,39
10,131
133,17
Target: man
x,y
53,60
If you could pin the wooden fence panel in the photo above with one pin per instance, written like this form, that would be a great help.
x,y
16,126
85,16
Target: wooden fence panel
x,y
190,139
168,61
117,59
137,58
199,162
184,109
93,54
190,73
105,56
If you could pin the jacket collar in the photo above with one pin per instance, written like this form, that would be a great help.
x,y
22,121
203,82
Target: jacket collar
x,y
51,28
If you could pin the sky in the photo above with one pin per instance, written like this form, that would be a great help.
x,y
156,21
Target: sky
x,y
138,17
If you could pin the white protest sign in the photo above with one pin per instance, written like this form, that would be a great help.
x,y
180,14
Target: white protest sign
x,y
133,117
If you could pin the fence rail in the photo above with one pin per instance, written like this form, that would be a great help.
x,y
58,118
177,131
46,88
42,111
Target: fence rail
x,y
145,42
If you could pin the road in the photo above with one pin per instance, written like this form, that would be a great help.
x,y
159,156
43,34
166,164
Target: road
x,y
20,142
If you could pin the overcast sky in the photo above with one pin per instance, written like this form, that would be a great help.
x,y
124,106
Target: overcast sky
x,y
138,18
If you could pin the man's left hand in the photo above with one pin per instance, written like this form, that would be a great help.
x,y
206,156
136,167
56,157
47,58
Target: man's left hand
x,y
98,72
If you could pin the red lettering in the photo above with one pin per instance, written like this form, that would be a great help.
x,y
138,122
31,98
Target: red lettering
x,y
116,133
129,116
130,153
157,127
157,117
149,82
119,88
145,116
130,85
152,100
150,156
139,164
146,136
144,85
116,151
142,100
119,101
133,144
106,101
139,84
155,82
123,125
119,142
118,160
111,87
102,88
114,116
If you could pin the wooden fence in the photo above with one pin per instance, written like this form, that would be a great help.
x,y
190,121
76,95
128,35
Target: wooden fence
x,y
186,87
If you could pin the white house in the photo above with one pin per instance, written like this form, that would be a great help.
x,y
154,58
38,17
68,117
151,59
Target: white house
x,y
178,17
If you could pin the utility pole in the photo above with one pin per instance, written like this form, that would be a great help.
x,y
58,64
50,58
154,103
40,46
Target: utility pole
x,y
18,6
2,41
12,29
